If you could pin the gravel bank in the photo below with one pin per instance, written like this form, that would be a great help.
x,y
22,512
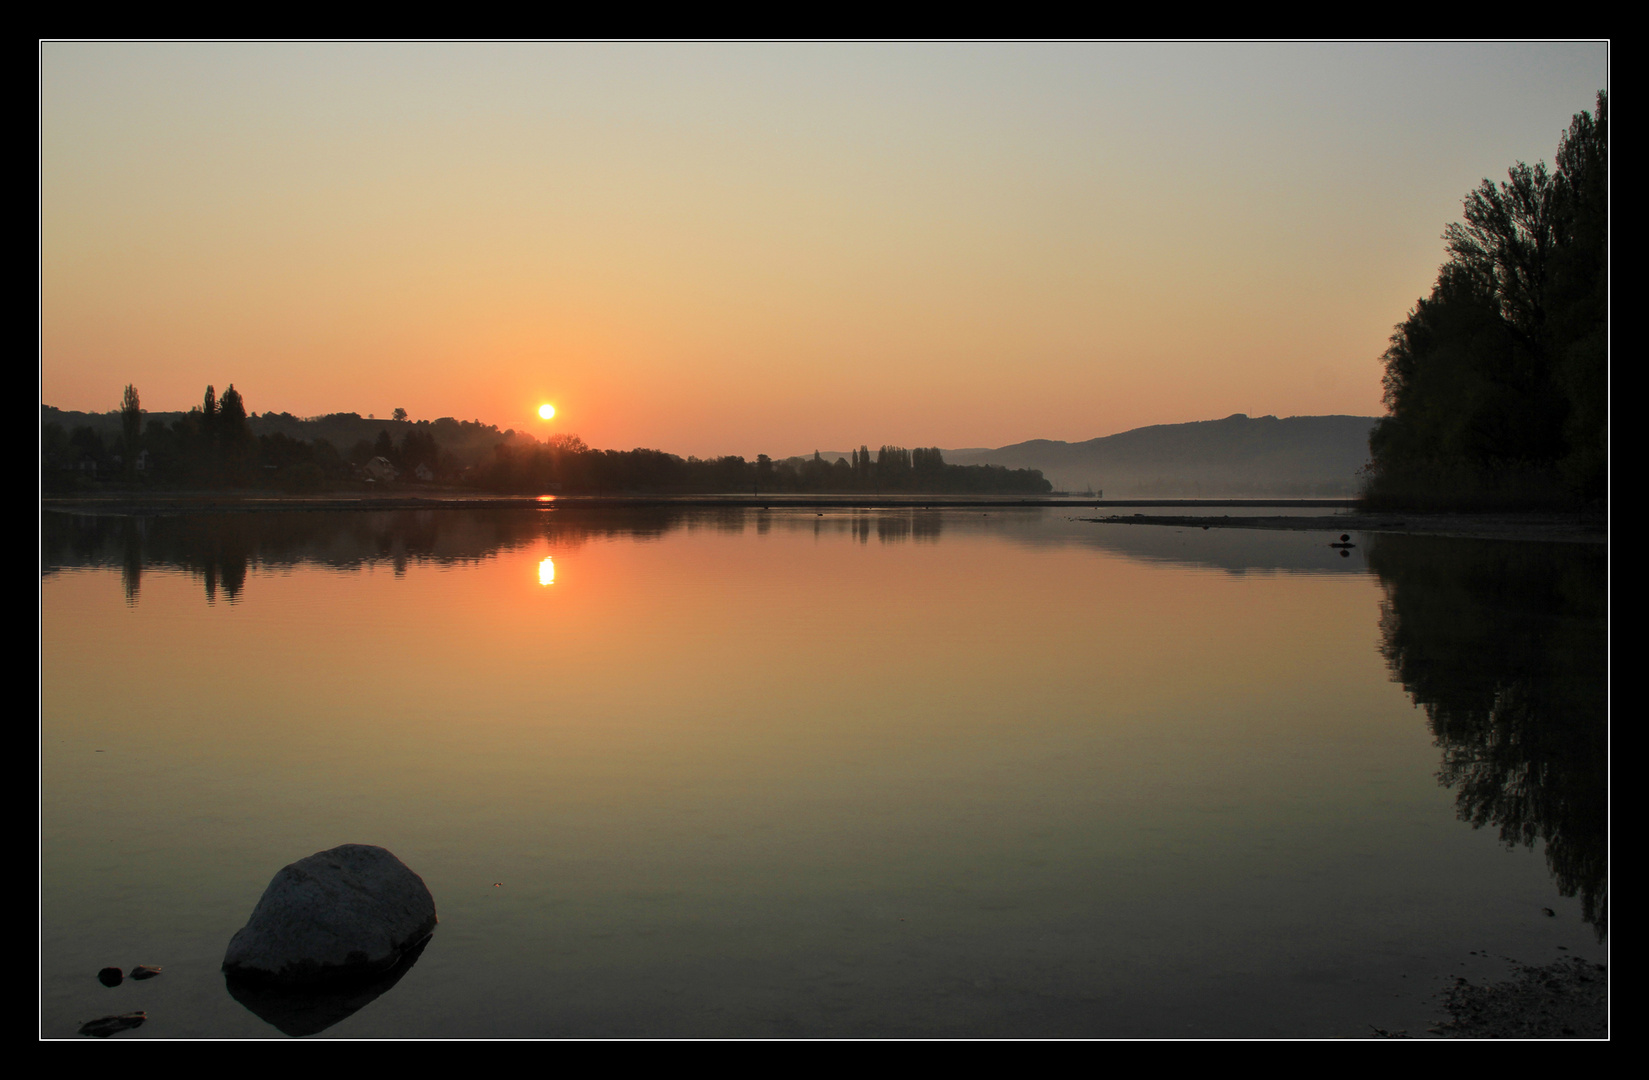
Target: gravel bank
x,y
1565,1000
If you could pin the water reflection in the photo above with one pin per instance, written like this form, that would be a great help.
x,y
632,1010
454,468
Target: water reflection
x,y
1506,647
1118,778
300,1012
222,548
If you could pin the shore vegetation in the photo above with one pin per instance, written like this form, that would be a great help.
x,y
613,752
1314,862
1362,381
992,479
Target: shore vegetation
x,y
219,445
1496,384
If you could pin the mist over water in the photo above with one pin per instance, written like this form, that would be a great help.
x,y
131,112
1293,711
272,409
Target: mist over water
x,y
735,772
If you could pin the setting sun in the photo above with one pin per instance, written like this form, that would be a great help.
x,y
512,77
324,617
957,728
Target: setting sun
x,y
546,412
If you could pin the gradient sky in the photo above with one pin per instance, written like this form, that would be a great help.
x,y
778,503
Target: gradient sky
x,y
743,248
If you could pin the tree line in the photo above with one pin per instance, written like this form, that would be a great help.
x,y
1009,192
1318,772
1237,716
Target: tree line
x,y
1497,382
220,444
566,464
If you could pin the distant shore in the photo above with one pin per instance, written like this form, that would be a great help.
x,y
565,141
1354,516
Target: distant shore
x,y
462,499
1567,528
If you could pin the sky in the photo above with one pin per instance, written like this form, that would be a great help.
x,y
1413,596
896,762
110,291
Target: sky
x,y
765,248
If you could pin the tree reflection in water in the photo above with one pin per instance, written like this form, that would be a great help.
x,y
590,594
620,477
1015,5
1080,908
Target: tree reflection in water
x,y
1506,646
222,548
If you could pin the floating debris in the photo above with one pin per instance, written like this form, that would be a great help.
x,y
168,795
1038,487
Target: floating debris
x,y
144,971
110,977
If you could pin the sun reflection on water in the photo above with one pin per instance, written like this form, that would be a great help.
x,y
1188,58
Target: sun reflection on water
x,y
546,571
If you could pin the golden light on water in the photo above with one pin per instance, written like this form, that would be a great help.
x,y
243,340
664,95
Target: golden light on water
x,y
546,411
546,571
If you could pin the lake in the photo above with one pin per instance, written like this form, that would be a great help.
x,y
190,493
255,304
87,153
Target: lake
x,y
735,772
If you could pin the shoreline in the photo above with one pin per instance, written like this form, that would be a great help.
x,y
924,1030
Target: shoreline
x,y
1566,999
450,499
1558,528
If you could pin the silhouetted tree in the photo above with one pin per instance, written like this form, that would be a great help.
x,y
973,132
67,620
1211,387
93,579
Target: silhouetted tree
x,y
231,427
1496,383
86,445
131,427
209,413
418,448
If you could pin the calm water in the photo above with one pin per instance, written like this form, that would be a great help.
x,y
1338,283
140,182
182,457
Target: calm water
x,y
901,773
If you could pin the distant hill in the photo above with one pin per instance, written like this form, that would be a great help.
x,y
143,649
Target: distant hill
x,y
1238,456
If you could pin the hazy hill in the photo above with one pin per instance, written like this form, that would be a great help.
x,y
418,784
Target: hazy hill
x,y
1237,456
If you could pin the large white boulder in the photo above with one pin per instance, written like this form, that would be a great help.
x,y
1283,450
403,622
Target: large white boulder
x,y
351,911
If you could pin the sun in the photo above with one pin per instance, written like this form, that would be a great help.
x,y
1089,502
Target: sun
x,y
546,411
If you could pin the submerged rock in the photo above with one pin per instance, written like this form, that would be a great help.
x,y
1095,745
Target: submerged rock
x,y
104,1026
351,912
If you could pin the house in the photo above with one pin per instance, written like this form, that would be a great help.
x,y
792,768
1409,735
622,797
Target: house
x,y
380,469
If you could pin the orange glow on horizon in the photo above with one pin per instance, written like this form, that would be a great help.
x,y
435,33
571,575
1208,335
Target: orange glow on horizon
x,y
775,248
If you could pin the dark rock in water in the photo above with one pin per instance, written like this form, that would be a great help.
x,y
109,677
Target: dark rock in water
x,y
349,913
110,977
305,1010
105,1026
143,971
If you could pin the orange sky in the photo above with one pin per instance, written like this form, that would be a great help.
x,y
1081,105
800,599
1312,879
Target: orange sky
x,y
765,248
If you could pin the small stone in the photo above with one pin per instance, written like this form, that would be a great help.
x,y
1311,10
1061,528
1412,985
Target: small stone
x,y
110,977
350,912
144,971
104,1026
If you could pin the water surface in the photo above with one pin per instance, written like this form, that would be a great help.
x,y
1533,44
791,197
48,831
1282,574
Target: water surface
x,y
753,773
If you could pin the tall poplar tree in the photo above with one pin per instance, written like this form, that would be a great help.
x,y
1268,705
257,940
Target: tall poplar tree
x,y
131,426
